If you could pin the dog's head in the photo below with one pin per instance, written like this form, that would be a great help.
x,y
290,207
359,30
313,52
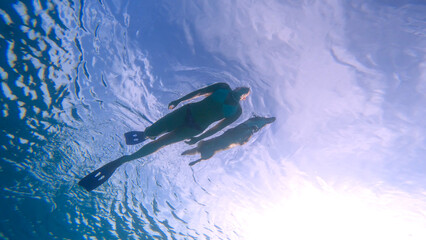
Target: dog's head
x,y
257,122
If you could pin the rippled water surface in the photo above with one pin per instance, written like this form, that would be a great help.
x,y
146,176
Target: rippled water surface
x,y
345,158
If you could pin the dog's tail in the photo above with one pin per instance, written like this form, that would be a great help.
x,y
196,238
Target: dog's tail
x,y
190,151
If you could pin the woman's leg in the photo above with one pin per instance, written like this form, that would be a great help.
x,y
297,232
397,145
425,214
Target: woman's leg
x,y
168,123
177,135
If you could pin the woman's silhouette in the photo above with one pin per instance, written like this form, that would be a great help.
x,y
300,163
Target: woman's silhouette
x,y
221,104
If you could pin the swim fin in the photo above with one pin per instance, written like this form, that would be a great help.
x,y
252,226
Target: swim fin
x,y
101,175
134,137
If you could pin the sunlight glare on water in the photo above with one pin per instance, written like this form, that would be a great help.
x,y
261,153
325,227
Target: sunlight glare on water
x,y
326,213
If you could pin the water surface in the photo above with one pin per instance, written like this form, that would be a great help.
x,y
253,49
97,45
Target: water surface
x,y
344,159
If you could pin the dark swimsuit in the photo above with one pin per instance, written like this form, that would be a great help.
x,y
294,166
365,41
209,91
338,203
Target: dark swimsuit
x,y
190,121
220,96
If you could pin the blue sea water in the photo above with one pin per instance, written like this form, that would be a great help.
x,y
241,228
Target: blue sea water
x,y
345,158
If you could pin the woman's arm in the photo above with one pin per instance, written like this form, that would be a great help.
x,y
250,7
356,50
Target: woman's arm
x,y
201,92
222,124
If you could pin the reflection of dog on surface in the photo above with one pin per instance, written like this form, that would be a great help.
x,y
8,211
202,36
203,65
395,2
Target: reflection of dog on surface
x,y
238,135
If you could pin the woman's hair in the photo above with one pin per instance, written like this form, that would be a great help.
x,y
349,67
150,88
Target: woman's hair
x,y
242,92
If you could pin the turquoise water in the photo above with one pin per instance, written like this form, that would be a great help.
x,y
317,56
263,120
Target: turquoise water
x,y
344,159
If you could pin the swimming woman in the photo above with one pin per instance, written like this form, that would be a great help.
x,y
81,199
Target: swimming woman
x,y
221,104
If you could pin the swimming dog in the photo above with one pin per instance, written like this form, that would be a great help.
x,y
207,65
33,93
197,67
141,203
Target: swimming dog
x,y
238,135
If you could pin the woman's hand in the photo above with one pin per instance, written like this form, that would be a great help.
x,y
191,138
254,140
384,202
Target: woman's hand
x,y
192,141
173,104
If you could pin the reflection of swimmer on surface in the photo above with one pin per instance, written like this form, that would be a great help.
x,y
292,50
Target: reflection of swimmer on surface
x,y
238,135
221,104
